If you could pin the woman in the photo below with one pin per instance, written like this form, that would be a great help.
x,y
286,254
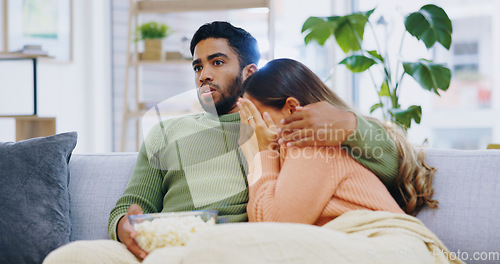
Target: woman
x,y
325,186
314,185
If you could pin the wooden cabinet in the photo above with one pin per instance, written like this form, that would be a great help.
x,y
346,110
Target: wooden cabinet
x,y
33,126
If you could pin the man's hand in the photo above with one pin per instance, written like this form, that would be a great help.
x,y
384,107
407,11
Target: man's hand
x,y
320,124
126,233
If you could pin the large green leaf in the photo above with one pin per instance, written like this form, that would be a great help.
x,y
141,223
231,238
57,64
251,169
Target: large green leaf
x,y
357,63
404,117
430,76
348,30
318,29
311,22
348,34
430,24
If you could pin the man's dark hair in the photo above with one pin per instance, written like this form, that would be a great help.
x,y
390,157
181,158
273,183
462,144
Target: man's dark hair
x,y
243,43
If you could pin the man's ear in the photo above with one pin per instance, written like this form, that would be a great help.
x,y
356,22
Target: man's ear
x,y
249,70
290,106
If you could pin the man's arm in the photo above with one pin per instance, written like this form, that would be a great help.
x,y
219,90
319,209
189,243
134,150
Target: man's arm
x,y
143,194
322,124
143,188
371,146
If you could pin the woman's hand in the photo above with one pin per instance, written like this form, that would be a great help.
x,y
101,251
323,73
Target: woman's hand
x,y
264,129
247,141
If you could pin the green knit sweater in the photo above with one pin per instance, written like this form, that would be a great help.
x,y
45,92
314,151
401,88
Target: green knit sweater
x,y
193,163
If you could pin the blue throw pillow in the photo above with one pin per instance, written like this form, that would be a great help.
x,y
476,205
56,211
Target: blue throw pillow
x,y
34,197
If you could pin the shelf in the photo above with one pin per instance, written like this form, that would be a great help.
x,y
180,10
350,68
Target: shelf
x,y
160,62
148,113
19,55
168,6
147,109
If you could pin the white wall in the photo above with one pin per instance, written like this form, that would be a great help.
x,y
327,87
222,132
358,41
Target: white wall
x,y
496,77
78,93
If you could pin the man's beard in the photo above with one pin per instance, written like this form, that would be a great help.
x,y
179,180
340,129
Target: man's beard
x,y
227,100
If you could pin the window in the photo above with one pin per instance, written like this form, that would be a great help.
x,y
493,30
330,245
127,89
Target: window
x,y
467,115
462,138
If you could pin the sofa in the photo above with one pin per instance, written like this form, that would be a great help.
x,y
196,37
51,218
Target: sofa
x,y
467,186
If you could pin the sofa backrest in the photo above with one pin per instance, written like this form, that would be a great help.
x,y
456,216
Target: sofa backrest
x,y
96,183
467,187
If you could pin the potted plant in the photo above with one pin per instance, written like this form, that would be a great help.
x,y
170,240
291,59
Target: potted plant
x,y
153,34
430,24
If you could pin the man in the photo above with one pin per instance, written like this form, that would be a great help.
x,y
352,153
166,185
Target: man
x,y
207,171
193,162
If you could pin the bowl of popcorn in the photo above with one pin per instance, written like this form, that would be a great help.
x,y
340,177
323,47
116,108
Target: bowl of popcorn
x,y
169,229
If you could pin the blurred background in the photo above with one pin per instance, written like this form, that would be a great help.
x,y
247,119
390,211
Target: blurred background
x,y
110,100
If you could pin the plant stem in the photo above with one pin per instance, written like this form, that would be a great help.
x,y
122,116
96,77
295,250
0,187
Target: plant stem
x,y
358,39
394,94
386,62
399,61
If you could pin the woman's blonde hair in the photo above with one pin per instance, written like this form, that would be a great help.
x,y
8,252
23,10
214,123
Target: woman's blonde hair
x,y
283,78
413,187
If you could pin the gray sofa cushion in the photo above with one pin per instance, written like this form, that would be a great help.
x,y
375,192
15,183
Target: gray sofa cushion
x,y
97,181
467,186
34,197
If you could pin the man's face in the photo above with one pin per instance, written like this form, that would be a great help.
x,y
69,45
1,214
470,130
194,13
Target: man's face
x,y
218,75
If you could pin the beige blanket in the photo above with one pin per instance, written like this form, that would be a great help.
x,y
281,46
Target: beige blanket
x,y
355,237
369,224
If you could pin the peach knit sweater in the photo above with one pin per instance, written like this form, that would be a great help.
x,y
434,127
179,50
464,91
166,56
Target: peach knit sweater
x,y
312,186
